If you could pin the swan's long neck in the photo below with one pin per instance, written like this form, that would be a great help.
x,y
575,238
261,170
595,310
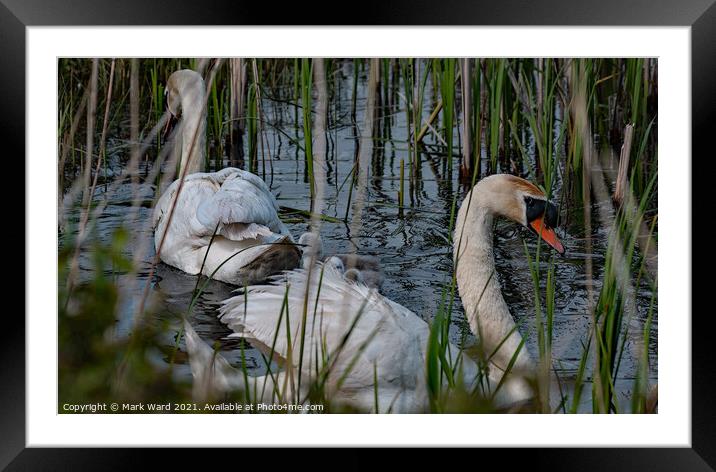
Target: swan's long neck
x,y
479,287
193,128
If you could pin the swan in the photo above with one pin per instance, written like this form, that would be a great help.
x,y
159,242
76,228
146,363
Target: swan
x,y
357,267
375,347
233,206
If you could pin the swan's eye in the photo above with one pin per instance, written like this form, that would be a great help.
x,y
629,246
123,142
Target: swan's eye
x,y
534,208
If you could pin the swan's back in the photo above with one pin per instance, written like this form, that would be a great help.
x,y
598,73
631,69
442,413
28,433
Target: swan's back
x,y
228,197
353,329
240,208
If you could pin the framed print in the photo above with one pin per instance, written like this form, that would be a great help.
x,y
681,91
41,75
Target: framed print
x,y
359,235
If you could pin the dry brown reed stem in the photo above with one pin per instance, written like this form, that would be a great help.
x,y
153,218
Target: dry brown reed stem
x,y
578,88
112,188
86,197
136,147
365,147
238,84
320,144
105,119
628,202
103,138
465,69
622,181
430,120
625,198
156,260
437,135
105,124
67,144
167,155
91,115
417,113
539,75
259,122
482,127
151,176
76,188
134,94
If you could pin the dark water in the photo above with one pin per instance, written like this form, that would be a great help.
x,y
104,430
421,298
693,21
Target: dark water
x,y
413,245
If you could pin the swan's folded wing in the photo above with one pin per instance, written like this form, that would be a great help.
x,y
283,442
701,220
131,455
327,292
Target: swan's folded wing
x,y
242,207
347,325
280,305
196,190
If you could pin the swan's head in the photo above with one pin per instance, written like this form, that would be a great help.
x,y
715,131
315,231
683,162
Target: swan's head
x,y
182,84
523,202
311,244
185,97
336,263
312,248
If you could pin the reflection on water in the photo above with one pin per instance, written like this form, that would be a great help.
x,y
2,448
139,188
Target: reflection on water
x,y
413,245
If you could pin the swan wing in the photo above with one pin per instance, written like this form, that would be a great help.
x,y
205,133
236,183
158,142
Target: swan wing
x,y
242,207
184,225
345,328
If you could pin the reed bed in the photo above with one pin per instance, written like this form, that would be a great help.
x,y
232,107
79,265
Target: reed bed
x,y
584,130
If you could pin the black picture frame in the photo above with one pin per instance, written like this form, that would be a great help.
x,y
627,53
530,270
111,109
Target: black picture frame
x,y
700,15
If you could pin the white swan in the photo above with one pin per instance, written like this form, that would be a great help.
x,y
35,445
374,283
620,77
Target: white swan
x,y
384,354
236,204
356,267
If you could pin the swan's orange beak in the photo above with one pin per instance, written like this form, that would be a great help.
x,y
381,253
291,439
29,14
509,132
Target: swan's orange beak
x,y
547,234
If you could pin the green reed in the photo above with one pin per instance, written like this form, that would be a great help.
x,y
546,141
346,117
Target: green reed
x,y
218,101
407,68
496,81
306,97
446,68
